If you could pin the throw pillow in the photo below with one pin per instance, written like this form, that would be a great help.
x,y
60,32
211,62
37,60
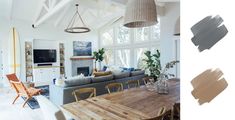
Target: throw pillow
x,y
97,74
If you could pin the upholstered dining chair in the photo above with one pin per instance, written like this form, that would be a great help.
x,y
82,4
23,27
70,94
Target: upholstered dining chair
x,y
114,87
133,83
77,93
21,90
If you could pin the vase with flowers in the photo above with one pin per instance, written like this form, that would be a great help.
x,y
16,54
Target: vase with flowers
x,y
161,84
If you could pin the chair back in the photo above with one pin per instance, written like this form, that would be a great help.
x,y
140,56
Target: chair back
x,y
49,110
78,93
162,111
176,111
20,88
12,77
147,79
114,87
133,83
165,116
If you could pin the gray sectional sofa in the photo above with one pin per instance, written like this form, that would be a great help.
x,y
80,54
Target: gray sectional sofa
x,y
63,94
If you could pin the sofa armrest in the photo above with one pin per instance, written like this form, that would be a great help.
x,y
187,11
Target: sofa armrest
x,y
56,94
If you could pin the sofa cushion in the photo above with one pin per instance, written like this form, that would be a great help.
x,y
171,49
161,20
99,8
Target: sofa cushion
x,y
102,78
139,72
76,81
97,74
121,75
127,69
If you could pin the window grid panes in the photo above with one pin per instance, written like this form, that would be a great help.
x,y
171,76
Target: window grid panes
x,y
109,57
107,37
126,47
123,58
141,34
139,52
123,35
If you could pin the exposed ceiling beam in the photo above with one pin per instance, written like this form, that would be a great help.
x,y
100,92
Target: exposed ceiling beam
x,y
10,10
53,11
61,17
39,9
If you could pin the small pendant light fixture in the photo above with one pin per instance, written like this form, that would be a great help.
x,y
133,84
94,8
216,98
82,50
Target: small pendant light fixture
x,y
72,28
140,13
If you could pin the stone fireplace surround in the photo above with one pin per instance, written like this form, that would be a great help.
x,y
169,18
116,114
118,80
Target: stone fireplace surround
x,y
81,62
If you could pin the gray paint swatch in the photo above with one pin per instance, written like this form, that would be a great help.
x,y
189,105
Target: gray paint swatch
x,y
208,32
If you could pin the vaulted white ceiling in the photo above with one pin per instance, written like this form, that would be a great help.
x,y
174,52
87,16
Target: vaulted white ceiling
x,y
95,13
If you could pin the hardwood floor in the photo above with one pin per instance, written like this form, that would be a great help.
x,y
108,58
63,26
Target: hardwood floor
x,y
16,112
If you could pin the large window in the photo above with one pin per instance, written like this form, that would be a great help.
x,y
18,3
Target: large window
x,y
142,34
123,35
139,52
123,58
125,47
109,57
107,37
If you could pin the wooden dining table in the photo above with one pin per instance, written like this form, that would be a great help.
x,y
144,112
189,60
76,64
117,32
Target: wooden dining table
x,y
130,104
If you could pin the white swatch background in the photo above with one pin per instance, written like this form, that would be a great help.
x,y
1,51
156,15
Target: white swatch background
x,y
221,55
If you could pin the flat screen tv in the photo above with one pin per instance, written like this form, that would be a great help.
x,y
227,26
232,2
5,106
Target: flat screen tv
x,y
44,55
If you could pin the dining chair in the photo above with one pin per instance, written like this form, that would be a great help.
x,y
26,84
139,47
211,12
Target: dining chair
x,y
49,110
79,92
176,111
133,83
165,116
114,87
22,91
161,111
146,79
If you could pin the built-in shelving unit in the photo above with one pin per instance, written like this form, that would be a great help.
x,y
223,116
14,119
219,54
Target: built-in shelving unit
x,y
29,61
62,60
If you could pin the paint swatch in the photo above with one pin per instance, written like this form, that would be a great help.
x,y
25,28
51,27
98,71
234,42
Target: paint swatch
x,y
208,32
208,85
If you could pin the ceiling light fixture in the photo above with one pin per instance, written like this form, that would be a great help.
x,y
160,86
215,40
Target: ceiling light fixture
x,y
72,28
140,13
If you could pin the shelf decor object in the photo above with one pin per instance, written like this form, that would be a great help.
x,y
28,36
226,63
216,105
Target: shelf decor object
x,y
140,13
29,61
73,24
62,68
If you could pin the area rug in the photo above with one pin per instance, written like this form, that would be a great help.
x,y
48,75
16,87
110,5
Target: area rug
x,y
33,103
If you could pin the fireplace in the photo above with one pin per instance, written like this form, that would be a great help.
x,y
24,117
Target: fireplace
x,y
83,70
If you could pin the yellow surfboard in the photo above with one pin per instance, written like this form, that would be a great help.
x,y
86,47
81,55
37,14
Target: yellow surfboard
x,y
15,53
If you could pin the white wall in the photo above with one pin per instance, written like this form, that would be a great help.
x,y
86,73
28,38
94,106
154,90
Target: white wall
x,y
44,32
167,39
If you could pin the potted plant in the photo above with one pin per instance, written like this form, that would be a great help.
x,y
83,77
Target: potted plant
x,y
153,64
99,56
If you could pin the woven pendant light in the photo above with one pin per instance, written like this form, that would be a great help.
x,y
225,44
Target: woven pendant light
x,y
140,13
72,28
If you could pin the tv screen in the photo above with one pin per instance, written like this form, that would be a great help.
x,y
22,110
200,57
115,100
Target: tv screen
x,y
44,55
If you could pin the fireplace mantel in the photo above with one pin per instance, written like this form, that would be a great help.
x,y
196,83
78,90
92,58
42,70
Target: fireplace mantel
x,y
82,58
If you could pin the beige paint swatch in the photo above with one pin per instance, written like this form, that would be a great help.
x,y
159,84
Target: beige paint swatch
x,y
208,85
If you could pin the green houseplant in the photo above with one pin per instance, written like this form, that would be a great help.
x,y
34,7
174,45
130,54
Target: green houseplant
x,y
99,56
153,64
